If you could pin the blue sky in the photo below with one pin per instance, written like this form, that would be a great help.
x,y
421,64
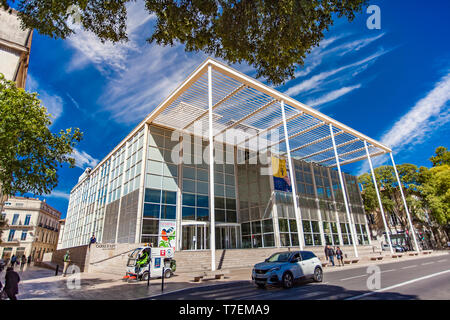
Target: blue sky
x,y
391,84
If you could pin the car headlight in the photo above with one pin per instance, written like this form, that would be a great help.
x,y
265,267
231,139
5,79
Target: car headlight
x,y
275,269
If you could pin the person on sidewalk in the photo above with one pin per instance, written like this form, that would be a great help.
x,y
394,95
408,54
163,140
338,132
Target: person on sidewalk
x,y
331,254
92,240
12,280
23,261
326,253
13,260
66,262
340,256
29,260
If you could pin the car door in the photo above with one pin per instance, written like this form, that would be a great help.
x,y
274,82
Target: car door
x,y
308,263
296,266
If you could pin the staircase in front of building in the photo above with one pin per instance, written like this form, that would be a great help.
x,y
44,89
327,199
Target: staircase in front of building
x,y
189,261
114,261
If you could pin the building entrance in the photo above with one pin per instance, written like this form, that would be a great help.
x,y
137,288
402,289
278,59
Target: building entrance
x,y
227,237
195,236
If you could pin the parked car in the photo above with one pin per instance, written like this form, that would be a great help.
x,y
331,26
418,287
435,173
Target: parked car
x,y
286,267
395,247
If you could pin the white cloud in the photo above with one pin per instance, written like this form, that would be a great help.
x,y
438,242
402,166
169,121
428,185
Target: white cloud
x,y
148,79
428,113
83,159
333,95
50,100
317,80
58,194
108,57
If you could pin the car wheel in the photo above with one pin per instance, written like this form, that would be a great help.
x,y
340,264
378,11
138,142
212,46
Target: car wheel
x,y
318,275
261,285
167,274
288,280
144,276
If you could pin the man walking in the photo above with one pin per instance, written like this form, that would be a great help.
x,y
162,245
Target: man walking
x,y
12,280
66,262
330,253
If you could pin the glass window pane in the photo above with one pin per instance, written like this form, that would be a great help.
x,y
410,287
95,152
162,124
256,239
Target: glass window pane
x,y
231,216
150,226
188,185
151,210
152,195
168,212
269,240
189,199
202,187
188,172
153,181
202,201
267,225
169,197
188,213
202,214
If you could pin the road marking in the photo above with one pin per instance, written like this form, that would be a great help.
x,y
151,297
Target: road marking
x,y
415,265
443,260
397,285
388,270
363,275
424,264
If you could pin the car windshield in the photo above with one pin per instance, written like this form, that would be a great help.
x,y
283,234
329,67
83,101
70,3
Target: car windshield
x,y
279,257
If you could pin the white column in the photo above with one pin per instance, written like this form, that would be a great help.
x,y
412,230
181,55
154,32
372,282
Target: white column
x,y
140,208
378,196
411,228
293,182
344,194
212,227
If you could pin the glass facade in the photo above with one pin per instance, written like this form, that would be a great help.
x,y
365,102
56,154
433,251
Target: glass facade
x,y
144,189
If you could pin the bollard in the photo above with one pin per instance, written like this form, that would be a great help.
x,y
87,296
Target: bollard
x,y
56,270
162,280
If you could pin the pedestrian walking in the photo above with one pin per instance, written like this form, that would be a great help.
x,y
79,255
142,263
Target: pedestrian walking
x,y
340,256
13,260
331,254
66,262
12,280
29,260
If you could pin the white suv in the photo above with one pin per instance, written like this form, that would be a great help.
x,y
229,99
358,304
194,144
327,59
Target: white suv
x,y
286,267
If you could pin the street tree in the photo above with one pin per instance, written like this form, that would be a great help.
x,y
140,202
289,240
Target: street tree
x,y
30,154
272,36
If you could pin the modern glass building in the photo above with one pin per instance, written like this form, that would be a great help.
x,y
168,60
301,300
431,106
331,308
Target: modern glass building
x,y
275,180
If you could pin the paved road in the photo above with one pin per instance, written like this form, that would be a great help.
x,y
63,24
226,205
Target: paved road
x,y
425,278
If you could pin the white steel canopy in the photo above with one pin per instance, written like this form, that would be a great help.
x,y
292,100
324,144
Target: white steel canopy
x,y
246,112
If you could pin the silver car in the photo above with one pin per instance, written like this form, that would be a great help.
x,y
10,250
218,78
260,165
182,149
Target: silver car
x,y
286,267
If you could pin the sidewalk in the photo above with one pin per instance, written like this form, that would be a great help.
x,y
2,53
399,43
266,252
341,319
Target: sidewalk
x,y
38,283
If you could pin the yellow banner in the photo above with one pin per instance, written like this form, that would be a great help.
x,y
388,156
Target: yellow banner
x,y
279,167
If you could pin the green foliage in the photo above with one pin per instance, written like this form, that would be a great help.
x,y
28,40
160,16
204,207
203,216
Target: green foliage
x,y
426,190
442,157
29,152
272,36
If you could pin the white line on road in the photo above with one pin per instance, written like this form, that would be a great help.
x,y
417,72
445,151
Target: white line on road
x,y
387,270
443,260
424,264
363,275
397,285
415,265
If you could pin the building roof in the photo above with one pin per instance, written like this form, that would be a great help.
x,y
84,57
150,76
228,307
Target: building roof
x,y
247,113
245,110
